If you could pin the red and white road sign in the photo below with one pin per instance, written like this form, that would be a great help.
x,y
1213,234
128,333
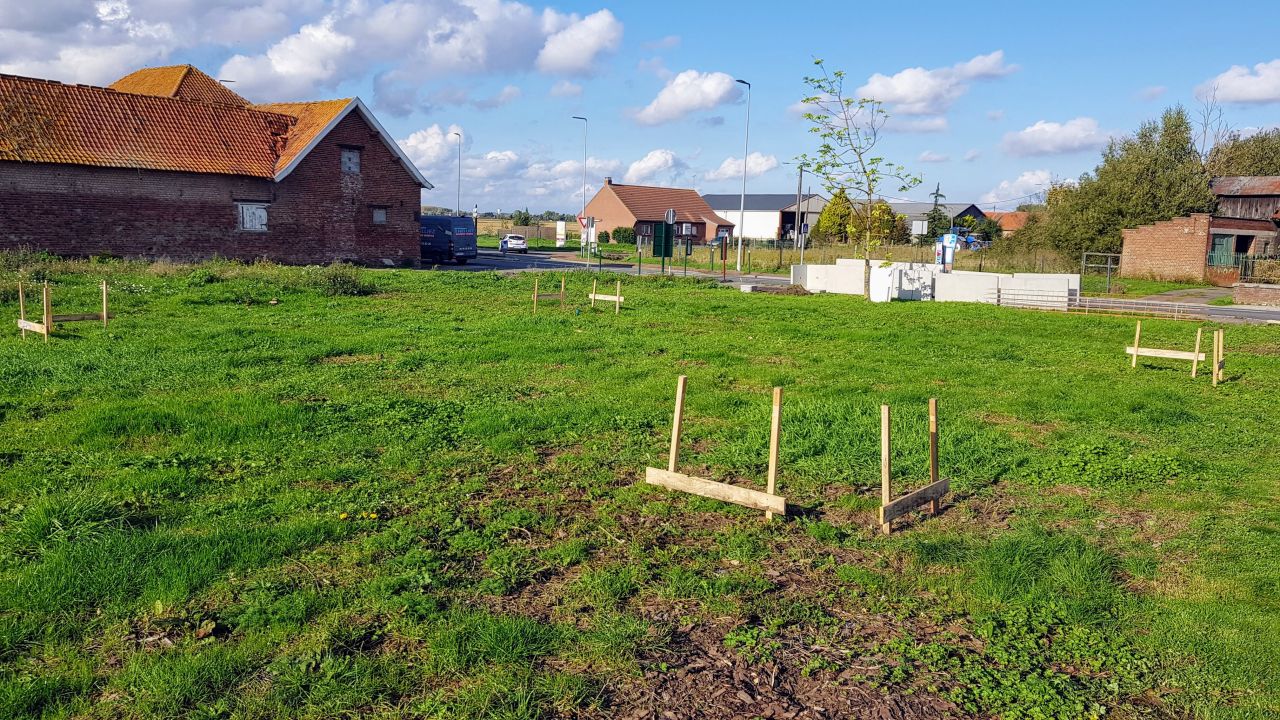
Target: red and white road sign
x,y
582,220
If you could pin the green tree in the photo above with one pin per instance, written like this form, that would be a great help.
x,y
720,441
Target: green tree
x,y
834,220
891,227
521,218
1257,154
938,219
849,130
1154,174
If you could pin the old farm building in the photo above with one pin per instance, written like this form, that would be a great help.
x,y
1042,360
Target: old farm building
x,y
167,162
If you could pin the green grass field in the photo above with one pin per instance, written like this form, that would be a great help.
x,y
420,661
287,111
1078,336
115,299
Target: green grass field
x,y
273,492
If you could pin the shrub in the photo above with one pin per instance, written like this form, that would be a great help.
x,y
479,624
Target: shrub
x,y
339,279
201,277
603,235
624,235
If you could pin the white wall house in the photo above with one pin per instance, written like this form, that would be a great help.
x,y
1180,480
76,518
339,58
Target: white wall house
x,y
769,215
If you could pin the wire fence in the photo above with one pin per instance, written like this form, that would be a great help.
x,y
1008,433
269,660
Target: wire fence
x,y
1074,302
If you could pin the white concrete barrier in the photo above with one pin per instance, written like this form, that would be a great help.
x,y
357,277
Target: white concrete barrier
x,y
922,281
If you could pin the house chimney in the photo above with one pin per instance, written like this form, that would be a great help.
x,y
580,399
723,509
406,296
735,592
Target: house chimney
x,y
608,181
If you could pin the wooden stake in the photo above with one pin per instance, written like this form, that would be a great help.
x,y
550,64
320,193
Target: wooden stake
x,y
775,432
884,462
617,301
561,291
535,296
1195,354
593,293
1219,351
22,309
104,302
933,450
677,422
48,312
1137,338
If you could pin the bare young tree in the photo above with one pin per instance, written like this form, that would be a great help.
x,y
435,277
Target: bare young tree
x,y
1211,124
849,129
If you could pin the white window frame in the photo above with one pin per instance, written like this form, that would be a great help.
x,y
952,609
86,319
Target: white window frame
x,y
347,154
252,216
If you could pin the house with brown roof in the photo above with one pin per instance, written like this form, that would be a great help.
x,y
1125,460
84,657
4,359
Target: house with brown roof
x,y
168,162
641,207
1009,222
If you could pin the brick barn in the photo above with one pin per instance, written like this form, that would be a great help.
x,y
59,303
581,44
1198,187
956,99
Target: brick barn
x,y
1207,247
168,162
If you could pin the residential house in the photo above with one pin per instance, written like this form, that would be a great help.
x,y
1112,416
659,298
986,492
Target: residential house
x,y
640,207
1207,247
770,215
168,162
1009,222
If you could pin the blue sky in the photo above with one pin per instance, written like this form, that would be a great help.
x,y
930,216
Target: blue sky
x,y
993,101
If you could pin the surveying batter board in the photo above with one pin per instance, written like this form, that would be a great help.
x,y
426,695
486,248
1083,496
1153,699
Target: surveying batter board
x,y
931,493
48,319
1195,356
672,480
616,298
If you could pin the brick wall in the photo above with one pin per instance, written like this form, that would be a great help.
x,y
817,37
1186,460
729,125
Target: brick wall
x,y
1170,250
316,214
609,211
1257,294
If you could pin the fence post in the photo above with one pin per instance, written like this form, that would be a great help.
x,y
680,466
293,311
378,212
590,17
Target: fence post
x,y
22,308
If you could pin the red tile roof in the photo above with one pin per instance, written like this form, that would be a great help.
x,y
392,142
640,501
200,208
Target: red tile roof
x,y
1009,221
311,119
171,118
83,125
650,204
178,81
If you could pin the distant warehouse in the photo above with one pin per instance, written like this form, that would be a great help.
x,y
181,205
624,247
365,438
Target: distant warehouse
x,y
168,162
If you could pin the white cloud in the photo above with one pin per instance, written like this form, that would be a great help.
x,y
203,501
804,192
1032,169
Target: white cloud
x,y
917,91
757,165
995,115
1152,92
309,58
689,92
431,146
574,50
916,125
505,96
666,43
1053,138
929,156
972,155
566,88
1239,84
1016,192
651,165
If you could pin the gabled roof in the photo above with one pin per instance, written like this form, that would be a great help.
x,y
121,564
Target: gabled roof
x,y
758,202
83,125
177,81
650,204
1246,185
922,208
162,124
1012,221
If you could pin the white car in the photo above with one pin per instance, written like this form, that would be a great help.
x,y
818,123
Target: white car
x,y
513,243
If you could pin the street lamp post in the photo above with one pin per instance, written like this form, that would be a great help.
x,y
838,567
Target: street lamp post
x,y
799,213
582,235
459,205
742,201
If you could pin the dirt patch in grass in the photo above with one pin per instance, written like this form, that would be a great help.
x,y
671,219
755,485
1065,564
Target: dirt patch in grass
x,y
350,359
1032,433
696,676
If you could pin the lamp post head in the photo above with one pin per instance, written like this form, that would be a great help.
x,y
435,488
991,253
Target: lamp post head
x,y
744,82
579,117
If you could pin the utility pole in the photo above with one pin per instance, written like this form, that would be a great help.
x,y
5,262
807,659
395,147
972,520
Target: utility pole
x,y
742,202
582,235
799,214
459,205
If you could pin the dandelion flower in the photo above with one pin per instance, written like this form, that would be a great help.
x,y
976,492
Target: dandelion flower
x,y
342,516
373,516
